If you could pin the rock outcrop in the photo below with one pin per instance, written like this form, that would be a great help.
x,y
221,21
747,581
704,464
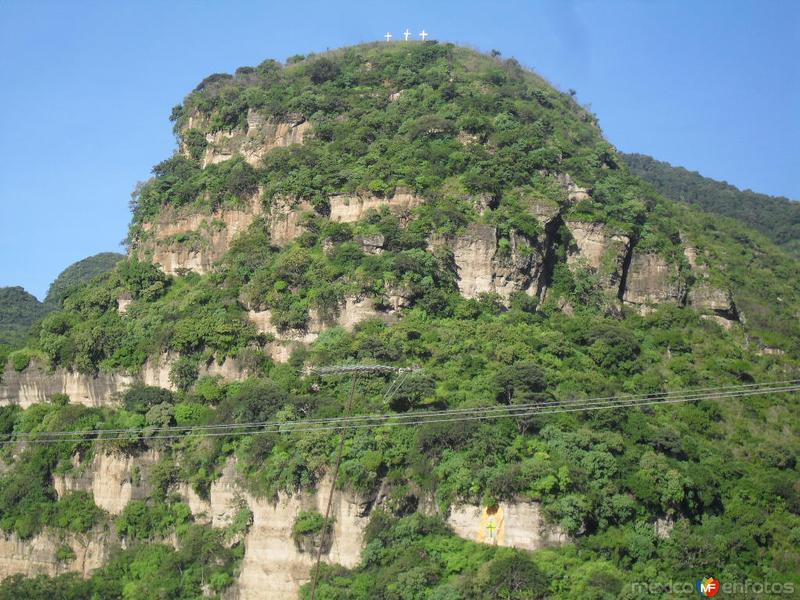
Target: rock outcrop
x,y
285,217
517,525
652,280
260,134
114,479
349,208
348,314
194,242
600,249
705,296
38,555
36,384
483,266
272,567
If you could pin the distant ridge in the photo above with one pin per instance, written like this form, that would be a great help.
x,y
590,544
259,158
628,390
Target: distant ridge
x,y
776,217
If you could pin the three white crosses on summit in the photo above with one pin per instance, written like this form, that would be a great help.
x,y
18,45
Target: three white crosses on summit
x,y
406,34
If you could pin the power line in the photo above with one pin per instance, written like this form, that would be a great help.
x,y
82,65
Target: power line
x,y
418,418
414,415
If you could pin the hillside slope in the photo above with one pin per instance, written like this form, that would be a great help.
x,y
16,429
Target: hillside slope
x,y
419,205
777,218
77,273
18,311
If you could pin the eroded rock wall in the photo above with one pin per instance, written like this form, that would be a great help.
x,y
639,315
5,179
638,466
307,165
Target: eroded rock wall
x,y
37,384
260,134
194,242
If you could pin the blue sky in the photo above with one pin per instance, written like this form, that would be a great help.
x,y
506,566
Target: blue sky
x,y
87,89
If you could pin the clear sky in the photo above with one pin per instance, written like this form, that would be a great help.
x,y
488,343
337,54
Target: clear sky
x,y
86,89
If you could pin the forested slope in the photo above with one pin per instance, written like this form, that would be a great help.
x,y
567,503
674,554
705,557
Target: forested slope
x,y
416,205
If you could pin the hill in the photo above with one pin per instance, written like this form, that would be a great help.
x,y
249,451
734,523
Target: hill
x,y
413,205
78,273
777,218
18,311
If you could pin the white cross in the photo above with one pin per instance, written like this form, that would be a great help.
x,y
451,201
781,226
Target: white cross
x,y
388,36
406,33
423,35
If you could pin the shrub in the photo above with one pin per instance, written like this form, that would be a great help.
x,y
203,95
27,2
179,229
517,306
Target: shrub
x,y
140,399
307,531
20,360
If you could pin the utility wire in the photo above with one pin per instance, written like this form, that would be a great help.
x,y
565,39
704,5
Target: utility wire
x,y
412,419
503,409
419,414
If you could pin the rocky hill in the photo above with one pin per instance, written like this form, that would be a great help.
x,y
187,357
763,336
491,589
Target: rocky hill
x,y
406,204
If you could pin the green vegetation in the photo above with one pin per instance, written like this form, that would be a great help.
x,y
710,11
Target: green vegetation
x,y
777,218
202,567
484,141
79,273
307,531
18,311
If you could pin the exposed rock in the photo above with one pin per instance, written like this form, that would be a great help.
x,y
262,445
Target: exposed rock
x,y
652,280
156,371
517,525
600,249
395,96
114,479
272,567
704,296
348,314
37,384
194,242
349,208
371,244
123,302
261,134
483,267
468,138
663,527
37,555
546,212
574,192
285,216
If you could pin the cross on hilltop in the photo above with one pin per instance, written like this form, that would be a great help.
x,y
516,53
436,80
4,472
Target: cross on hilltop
x,y
423,35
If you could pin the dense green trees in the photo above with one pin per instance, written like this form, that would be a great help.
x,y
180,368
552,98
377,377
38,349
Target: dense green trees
x,y
722,474
776,217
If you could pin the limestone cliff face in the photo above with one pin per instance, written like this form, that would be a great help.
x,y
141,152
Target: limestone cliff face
x,y
348,314
483,266
285,216
259,135
652,280
716,302
36,384
194,242
273,568
37,556
517,525
349,208
600,249
114,479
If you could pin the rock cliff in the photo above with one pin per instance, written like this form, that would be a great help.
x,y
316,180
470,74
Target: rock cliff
x,y
272,567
